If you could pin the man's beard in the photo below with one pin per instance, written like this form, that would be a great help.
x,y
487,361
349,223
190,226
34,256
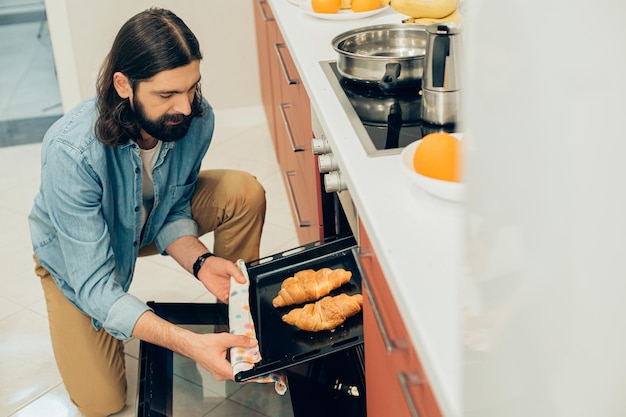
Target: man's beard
x,y
160,128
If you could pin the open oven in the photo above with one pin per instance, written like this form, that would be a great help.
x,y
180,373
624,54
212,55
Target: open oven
x,y
325,370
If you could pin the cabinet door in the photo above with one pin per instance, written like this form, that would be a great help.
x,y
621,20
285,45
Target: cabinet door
x,y
384,395
395,382
288,113
302,178
265,26
293,144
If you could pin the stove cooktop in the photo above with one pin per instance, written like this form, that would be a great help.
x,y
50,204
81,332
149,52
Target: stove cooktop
x,y
384,123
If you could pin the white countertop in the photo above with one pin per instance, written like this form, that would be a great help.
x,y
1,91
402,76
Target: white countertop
x,y
417,237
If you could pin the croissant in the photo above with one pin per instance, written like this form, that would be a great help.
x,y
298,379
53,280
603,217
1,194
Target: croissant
x,y
309,285
325,314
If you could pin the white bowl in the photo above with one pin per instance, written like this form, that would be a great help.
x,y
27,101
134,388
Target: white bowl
x,y
447,190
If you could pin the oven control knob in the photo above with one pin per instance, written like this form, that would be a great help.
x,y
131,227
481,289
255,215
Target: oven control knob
x,y
320,146
333,182
327,163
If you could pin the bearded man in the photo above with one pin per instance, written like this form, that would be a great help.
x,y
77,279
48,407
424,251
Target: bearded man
x,y
120,178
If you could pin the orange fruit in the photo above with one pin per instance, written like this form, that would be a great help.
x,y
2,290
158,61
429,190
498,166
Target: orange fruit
x,y
326,6
438,156
364,5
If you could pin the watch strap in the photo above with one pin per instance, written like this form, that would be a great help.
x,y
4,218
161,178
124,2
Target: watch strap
x,y
199,262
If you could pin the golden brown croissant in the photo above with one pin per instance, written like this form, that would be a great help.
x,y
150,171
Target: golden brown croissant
x,y
309,285
325,314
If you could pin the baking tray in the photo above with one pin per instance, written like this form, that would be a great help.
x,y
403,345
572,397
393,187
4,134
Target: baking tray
x,y
281,344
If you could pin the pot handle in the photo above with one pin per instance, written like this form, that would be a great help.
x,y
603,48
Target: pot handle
x,y
390,79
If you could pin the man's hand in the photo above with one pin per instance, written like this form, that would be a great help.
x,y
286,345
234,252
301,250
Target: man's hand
x,y
215,272
211,352
215,275
208,350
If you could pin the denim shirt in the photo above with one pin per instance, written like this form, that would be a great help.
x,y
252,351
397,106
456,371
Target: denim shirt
x,y
85,223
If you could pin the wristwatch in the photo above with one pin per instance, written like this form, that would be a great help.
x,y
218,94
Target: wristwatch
x,y
199,262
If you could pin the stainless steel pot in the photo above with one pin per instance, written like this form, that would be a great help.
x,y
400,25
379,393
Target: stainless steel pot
x,y
391,56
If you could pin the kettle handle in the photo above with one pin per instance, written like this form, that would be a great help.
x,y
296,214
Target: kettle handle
x,y
441,50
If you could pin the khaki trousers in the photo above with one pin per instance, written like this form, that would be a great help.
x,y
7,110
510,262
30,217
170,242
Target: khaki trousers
x,y
229,203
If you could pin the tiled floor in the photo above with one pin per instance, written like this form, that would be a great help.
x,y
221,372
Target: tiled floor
x,y
30,384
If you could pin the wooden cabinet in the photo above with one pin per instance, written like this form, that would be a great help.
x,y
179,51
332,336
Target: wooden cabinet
x,y
395,380
265,25
288,111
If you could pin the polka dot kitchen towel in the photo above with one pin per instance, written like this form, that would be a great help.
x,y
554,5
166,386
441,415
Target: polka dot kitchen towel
x,y
240,322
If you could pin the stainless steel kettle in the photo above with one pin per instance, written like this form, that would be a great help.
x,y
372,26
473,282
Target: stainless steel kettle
x,y
441,81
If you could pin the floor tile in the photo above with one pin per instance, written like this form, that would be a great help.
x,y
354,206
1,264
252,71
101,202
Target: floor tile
x,y
154,283
56,402
247,151
188,370
131,347
18,280
39,306
263,399
194,401
206,298
15,225
230,408
19,165
8,307
28,366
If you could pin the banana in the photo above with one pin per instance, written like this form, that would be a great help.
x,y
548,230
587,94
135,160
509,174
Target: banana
x,y
384,3
455,17
434,9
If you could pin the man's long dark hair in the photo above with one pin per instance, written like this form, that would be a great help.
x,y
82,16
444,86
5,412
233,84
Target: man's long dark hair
x,y
152,41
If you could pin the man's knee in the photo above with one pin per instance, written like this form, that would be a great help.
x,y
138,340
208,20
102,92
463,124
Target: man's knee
x,y
255,193
103,403
248,190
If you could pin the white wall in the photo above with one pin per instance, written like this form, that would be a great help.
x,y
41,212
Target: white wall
x,y
546,209
82,32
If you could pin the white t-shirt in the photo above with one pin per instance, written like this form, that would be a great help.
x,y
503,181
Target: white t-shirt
x,y
148,159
